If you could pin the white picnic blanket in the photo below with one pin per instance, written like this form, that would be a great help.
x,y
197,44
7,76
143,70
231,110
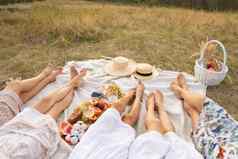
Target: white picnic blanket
x,y
97,77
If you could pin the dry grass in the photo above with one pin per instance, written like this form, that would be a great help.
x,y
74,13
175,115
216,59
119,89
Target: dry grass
x,y
57,31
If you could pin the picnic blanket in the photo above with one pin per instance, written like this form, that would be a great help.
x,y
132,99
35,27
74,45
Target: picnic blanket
x,y
97,77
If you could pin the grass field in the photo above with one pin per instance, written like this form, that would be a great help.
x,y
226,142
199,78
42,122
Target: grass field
x,y
57,31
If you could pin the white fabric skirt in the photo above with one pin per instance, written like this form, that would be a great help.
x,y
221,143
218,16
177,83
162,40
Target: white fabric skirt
x,y
32,135
108,138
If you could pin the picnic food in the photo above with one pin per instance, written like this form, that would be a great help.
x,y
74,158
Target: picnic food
x,y
81,118
113,90
210,61
213,65
72,133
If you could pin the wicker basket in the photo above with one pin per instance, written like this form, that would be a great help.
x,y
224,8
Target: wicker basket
x,y
208,77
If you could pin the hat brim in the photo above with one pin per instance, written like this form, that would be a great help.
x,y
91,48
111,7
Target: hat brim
x,y
126,72
144,78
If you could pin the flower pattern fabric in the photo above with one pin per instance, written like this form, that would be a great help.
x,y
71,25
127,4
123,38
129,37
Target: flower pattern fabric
x,y
216,136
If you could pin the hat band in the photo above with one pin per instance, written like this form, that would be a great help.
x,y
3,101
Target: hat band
x,y
144,74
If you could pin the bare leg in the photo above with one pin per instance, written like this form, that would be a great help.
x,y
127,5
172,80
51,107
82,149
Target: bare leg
x,y
193,102
19,86
165,123
25,96
121,104
181,90
46,103
151,122
194,115
59,107
132,117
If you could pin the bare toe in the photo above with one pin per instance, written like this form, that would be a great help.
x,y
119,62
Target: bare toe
x,y
75,82
151,101
159,100
140,90
73,72
182,81
47,71
54,74
176,88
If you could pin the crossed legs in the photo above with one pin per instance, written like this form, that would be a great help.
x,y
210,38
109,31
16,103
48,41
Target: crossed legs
x,y
28,88
192,102
59,100
134,97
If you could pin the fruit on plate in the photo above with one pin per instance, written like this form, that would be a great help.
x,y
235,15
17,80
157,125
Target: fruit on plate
x,y
113,90
75,116
80,119
94,110
72,133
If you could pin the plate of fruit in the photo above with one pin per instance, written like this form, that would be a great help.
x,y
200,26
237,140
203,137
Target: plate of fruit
x,y
81,118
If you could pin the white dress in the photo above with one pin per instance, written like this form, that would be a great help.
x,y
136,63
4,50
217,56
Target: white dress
x,y
110,138
32,135
152,145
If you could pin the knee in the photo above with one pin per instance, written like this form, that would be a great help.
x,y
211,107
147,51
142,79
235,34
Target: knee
x,y
14,86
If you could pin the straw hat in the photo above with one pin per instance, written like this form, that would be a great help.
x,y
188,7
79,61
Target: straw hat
x,y
120,66
145,71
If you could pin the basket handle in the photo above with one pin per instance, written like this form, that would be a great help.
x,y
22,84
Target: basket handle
x,y
220,44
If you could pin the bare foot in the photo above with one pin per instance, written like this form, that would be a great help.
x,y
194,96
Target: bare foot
x,y
151,122
150,100
76,80
174,86
73,72
132,116
140,91
121,103
182,81
194,99
54,74
47,71
159,100
165,123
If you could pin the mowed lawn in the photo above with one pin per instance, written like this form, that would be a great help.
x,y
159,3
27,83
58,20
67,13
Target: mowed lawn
x,y
57,31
